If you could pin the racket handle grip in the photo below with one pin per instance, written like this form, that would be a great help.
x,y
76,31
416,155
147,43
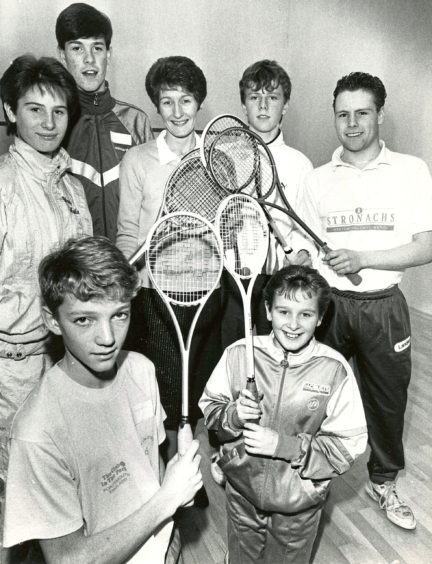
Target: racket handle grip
x,y
184,436
184,441
354,278
252,387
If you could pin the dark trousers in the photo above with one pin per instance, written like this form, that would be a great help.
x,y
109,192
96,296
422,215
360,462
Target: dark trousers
x,y
268,538
374,328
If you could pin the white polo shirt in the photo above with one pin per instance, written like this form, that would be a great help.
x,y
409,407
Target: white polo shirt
x,y
375,208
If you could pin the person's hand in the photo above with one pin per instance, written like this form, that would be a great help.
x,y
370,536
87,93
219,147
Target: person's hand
x,y
344,261
260,440
247,407
183,477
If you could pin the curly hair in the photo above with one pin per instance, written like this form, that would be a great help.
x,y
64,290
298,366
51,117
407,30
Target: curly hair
x,y
176,71
88,268
267,75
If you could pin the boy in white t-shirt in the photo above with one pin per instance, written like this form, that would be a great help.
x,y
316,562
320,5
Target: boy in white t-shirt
x,y
85,473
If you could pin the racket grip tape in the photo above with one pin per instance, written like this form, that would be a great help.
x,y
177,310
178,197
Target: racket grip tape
x,y
252,387
354,278
184,441
184,436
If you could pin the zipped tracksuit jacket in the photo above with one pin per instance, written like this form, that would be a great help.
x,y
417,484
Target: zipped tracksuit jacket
x,y
312,400
104,132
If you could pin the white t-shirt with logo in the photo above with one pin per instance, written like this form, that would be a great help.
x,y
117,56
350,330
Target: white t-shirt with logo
x,y
86,457
375,208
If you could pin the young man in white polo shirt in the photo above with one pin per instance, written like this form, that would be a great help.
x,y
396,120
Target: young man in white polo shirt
x,y
374,207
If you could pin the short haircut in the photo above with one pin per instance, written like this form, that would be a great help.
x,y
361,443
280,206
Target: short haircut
x,y
291,279
47,74
90,268
81,20
267,75
176,71
361,81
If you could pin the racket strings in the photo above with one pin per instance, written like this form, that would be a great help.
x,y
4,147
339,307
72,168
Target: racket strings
x,y
244,233
184,259
236,154
190,188
215,128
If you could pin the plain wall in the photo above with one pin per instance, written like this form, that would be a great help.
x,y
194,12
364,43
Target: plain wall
x,y
317,41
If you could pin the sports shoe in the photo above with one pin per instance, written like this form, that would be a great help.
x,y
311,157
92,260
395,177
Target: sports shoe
x,y
216,472
397,511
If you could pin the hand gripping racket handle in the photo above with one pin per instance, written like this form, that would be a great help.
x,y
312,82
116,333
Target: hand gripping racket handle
x,y
184,436
184,441
355,278
252,387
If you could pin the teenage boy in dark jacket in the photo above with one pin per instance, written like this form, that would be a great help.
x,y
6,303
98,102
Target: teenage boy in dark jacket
x,y
106,128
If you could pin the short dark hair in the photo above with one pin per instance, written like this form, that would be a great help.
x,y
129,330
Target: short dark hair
x,y
267,75
88,268
291,279
361,81
81,20
46,73
176,71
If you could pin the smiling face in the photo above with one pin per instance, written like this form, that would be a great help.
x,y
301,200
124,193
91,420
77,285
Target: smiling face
x,y
87,60
264,110
178,109
357,122
41,119
93,335
293,320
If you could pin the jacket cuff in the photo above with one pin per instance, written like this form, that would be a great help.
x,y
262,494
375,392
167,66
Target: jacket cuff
x,y
232,418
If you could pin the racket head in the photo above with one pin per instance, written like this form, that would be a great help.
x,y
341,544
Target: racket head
x,y
213,128
184,258
192,153
244,232
190,188
239,156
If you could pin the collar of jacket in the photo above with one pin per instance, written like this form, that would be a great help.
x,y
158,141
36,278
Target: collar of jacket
x,y
37,164
96,103
293,358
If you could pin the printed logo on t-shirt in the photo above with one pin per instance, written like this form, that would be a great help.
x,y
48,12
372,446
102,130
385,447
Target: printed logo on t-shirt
x,y
322,389
115,477
402,345
361,219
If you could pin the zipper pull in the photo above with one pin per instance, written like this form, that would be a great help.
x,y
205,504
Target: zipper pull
x,y
284,362
96,99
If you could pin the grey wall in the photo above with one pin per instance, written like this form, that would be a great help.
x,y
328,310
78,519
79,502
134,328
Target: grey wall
x,y
316,40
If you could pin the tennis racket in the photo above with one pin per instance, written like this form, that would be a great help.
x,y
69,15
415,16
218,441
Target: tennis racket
x,y
253,160
237,164
212,130
184,259
243,229
189,188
